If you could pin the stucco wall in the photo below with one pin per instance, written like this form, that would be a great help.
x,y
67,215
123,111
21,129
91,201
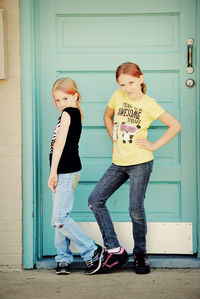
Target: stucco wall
x,y
10,145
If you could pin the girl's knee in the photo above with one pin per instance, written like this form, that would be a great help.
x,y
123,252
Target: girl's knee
x,y
59,221
58,226
137,216
93,203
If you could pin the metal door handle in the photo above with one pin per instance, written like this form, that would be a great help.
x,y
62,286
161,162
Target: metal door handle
x,y
189,43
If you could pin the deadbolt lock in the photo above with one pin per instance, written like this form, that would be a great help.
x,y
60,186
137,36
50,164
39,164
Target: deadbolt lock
x,y
189,82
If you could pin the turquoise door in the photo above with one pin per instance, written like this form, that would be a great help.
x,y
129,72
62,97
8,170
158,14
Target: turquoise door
x,y
87,40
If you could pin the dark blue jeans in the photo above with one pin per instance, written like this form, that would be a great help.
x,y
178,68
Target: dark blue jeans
x,y
113,178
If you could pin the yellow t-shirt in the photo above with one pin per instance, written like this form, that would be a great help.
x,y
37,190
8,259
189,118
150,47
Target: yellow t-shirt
x,y
131,120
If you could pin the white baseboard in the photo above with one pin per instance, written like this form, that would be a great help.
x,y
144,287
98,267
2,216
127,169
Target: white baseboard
x,y
162,237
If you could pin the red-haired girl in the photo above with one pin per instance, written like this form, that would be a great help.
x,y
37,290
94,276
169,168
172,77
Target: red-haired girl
x,y
129,113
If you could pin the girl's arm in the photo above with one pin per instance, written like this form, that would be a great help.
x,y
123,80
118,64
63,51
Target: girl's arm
x,y
173,128
58,149
108,120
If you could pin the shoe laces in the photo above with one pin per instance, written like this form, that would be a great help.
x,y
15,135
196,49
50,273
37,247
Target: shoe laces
x,y
140,260
89,263
62,264
145,260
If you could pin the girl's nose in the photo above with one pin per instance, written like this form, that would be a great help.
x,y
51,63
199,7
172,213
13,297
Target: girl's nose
x,y
128,89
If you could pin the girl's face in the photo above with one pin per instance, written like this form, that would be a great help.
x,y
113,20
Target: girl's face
x,y
131,86
64,100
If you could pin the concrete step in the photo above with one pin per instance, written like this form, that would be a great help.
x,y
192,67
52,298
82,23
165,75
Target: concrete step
x,y
156,261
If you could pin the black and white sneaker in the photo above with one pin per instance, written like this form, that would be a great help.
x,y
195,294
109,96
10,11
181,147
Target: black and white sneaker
x,y
94,264
63,268
141,264
113,261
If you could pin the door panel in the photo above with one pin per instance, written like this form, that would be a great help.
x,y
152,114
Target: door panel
x,y
107,26
87,41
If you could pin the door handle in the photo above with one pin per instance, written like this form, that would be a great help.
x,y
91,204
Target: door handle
x,y
189,43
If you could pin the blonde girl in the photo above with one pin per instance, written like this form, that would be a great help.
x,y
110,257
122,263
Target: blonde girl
x,y
65,170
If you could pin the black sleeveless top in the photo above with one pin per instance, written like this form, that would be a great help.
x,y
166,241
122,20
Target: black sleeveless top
x,y
69,160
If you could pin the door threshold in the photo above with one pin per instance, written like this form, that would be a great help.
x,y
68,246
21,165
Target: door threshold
x,y
156,261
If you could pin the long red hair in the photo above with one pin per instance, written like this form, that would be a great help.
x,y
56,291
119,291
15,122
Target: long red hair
x,y
132,69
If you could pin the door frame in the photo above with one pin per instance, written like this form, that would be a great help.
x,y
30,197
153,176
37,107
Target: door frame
x,y
31,169
32,242
198,129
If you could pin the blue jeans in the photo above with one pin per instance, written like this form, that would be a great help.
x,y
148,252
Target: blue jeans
x,y
113,178
66,229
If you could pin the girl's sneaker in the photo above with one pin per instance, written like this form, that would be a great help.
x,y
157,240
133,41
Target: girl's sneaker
x,y
113,261
141,264
94,264
63,268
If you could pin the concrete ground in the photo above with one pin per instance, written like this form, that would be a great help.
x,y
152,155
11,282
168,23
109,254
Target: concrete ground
x,y
125,284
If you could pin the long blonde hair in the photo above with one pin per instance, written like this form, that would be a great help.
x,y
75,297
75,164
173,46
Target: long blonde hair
x,y
130,68
68,86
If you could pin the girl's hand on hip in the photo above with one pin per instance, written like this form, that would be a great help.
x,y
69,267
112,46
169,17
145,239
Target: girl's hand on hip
x,y
145,144
52,182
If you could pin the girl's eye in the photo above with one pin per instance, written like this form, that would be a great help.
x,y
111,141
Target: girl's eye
x,y
65,99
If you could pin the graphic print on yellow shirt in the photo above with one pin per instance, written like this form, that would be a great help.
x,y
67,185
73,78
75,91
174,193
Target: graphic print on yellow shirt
x,y
131,121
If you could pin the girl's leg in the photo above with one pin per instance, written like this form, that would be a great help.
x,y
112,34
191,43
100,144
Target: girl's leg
x,y
108,184
139,177
62,244
62,221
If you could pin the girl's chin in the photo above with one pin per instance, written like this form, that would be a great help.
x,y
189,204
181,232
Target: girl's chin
x,y
64,108
130,95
